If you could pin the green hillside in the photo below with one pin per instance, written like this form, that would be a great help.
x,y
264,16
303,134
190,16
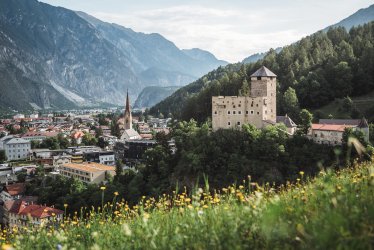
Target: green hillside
x,y
332,211
341,109
320,68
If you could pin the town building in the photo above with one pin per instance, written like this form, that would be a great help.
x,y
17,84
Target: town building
x,y
38,136
23,213
125,124
258,108
13,192
17,149
330,131
135,149
88,172
102,157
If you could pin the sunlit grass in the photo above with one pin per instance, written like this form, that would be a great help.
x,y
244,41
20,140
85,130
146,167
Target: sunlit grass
x,y
334,210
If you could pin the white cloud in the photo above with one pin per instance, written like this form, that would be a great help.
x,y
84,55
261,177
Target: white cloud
x,y
230,34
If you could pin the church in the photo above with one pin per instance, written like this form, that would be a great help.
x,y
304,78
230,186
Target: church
x,y
125,124
258,108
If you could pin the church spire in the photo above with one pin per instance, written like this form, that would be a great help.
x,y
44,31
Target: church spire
x,y
128,116
127,109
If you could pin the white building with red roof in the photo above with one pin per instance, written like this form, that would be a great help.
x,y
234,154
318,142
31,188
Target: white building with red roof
x,y
23,213
330,131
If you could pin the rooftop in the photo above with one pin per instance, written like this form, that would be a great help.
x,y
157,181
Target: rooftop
x,y
89,167
263,71
330,127
15,189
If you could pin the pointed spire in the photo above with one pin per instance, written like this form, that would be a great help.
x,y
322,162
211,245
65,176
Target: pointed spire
x,y
127,109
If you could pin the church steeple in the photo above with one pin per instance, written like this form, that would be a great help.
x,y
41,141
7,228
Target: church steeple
x,y
127,109
128,116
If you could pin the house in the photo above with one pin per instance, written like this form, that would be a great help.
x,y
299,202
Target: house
x,y
22,213
38,136
13,192
330,131
287,121
17,149
88,172
102,157
134,150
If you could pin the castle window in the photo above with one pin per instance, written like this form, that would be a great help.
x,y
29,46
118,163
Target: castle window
x,y
259,78
215,112
233,106
229,123
258,112
252,112
239,105
234,112
256,105
238,123
246,112
239,112
228,112
252,104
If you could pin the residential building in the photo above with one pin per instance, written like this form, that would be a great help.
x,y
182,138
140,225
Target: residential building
x,y
17,149
134,150
22,213
287,121
59,160
330,131
38,136
13,192
102,157
258,108
88,172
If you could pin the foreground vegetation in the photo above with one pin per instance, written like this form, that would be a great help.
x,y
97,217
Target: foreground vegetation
x,y
333,210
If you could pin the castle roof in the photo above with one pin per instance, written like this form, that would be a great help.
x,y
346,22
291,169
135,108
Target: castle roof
x,y
286,121
350,122
263,71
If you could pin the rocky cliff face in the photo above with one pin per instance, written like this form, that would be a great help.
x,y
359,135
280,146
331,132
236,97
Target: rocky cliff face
x,y
152,95
78,60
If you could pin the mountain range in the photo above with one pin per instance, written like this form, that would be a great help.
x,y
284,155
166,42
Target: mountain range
x,y
52,57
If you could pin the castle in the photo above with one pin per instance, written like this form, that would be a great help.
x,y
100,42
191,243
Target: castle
x,y
258,109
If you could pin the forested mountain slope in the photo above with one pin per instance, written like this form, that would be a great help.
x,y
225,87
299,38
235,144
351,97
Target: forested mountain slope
x,y
318,68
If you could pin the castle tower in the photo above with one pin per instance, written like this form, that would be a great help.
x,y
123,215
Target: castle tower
x,y
258,109
128,116
264,84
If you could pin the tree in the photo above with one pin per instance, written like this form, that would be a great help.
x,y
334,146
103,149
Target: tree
x,y
21,176
290,102
305,121
3,157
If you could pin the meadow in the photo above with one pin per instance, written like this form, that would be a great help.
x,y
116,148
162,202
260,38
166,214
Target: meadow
x,y
334,210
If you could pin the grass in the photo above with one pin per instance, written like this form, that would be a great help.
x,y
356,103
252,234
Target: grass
x,y
332,211
364,104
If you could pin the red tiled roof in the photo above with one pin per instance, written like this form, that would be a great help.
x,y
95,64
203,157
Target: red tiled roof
x,y
21,207
330,127
39,211
15,189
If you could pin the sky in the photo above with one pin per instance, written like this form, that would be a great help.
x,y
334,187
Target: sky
x,y
230,29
